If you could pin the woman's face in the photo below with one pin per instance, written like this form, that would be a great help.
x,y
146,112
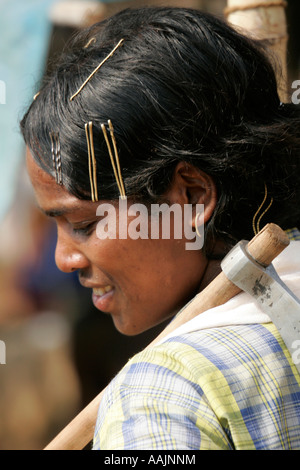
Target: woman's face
x,y
139,282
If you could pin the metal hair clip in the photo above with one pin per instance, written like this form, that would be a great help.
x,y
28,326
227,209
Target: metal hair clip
x,y
96,69
91,160
90,41
114,159
56,156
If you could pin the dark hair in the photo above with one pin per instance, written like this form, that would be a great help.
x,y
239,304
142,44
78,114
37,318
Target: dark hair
x,y
184,86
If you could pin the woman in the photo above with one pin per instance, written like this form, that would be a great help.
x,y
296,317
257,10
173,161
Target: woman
x,y
172,106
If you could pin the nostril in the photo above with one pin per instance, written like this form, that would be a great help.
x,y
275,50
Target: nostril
x,y
69,263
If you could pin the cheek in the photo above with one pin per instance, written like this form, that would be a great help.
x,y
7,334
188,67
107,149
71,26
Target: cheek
x,y
161,273
146,262
149,274
153,280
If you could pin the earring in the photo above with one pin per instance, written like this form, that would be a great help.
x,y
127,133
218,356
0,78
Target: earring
x,y
196,224
255,227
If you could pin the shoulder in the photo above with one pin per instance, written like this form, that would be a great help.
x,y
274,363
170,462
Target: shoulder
x,y
193,356
177,394
200,362
206,349
203,365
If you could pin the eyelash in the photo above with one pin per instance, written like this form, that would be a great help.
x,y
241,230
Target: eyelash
x,y
86,231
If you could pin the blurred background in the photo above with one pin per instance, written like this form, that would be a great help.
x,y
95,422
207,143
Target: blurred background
x,y
60,351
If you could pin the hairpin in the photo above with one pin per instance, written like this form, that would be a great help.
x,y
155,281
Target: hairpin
x,y
256,226
115,165
90,41
91,160
96,69
56,156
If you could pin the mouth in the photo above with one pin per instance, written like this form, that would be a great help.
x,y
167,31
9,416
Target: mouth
x,y
102,297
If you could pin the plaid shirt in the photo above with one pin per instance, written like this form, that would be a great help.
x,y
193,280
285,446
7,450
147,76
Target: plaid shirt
x,y
233,387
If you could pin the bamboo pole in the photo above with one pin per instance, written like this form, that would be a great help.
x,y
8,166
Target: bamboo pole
x,y
264,20
264,247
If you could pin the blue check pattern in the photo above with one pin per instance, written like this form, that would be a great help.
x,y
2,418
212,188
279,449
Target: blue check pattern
x,y
225,388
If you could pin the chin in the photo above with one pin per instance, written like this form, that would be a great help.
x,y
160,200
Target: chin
x,y
130,329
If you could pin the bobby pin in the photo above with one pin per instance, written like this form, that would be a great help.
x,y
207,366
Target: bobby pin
x,y
56,156
91,160
96,69
91,41
116,166
256,226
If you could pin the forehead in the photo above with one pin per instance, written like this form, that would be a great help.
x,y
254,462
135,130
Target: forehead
x,y
51,197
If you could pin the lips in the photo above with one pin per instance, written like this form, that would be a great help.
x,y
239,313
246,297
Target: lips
x,y
102,297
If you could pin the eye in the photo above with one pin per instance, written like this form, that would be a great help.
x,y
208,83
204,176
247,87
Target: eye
x,y
84,229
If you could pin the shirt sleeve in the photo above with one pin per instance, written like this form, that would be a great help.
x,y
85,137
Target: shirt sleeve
x,y
155,403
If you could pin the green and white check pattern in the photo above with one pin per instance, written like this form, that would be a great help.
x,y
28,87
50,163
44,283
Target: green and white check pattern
x,y
224,388
232,387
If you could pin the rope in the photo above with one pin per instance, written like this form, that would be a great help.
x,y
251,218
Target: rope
x,y
281,3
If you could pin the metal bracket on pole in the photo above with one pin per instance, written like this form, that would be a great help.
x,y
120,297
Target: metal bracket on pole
x,y
272,295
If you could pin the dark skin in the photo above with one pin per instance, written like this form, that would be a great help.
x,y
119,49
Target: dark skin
x,y
145,281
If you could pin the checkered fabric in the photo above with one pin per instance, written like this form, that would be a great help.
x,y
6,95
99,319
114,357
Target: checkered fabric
x,y
293,234
232,387
224,388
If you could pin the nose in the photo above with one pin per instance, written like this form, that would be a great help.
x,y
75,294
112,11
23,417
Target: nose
x,y
68,256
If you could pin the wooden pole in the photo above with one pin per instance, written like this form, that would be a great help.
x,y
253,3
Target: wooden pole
x,y
264,20
264,247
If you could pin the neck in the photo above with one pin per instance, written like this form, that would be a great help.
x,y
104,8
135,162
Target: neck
x,y
213,266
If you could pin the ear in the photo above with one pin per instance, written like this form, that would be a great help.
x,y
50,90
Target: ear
x,y
190,185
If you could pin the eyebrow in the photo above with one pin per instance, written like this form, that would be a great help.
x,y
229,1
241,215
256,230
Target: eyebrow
x,y
54,213
57,212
